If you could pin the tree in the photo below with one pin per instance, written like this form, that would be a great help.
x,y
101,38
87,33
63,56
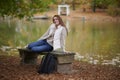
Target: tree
x,y
22,8
94,5
73,4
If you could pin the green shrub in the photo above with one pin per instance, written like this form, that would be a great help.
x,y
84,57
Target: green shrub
x,y
113,10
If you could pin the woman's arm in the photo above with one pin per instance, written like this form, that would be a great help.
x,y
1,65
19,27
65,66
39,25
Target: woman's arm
x,y
46,34
63,37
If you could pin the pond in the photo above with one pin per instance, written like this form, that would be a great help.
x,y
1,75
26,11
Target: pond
x,y
97,42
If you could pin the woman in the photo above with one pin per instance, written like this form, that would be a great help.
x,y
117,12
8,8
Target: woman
x,y
53,39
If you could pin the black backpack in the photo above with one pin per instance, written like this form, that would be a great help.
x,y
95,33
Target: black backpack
x,y
48,64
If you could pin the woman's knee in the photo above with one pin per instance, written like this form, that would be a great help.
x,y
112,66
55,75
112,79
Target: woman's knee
x,y
29,46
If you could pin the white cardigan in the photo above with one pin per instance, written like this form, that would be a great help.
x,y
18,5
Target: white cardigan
x,y
56,37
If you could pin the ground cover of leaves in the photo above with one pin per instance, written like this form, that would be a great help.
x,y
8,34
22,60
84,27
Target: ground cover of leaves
x,y
10,69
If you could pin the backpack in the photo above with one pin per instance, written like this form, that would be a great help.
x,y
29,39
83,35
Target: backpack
x,y
48,64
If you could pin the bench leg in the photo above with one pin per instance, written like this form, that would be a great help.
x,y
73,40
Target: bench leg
x,y
28,58
64,68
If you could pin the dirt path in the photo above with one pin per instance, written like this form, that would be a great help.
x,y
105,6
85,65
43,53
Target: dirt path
x,y
10,69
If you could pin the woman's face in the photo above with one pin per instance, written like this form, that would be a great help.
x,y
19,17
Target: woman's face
x,y
56,21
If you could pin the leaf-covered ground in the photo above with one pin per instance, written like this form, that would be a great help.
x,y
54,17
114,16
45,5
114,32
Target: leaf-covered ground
x,y
10,69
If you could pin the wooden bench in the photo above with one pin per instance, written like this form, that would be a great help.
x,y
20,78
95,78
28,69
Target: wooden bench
x,y
64,59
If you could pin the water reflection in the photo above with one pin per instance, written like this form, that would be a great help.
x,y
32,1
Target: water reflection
x,y
95,42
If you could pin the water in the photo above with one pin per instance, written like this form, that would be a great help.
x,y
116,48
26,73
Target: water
x,y
93,41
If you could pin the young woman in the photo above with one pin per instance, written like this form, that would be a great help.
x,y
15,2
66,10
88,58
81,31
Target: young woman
x,y
53,39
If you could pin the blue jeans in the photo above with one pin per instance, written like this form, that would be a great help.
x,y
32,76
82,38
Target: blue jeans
x,y
40,46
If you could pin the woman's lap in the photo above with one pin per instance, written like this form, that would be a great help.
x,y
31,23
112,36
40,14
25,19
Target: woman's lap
x,y
40,46
43,48
37,43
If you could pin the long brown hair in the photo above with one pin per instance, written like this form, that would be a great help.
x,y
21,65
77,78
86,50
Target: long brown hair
x,y
60,21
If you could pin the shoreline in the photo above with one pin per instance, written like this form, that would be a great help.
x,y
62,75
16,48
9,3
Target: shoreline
x,y
89,16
